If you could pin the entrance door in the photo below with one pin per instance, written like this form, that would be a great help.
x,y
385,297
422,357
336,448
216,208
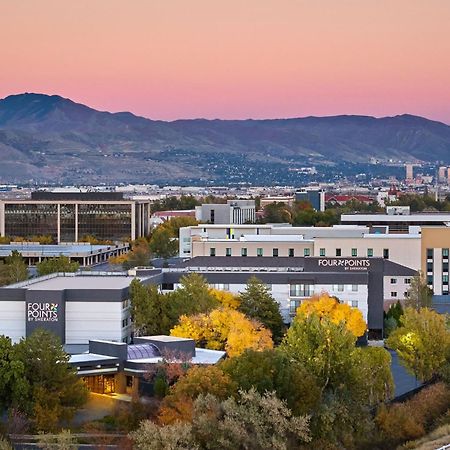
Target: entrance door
x,y
109,385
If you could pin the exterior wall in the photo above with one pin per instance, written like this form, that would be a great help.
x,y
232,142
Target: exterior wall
x,y
395,288
437,240
203,248
402,250
12,319
95,320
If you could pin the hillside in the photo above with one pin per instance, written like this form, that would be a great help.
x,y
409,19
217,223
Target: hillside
x,y
51,139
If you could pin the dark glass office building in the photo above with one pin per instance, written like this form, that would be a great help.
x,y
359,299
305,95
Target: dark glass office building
x,y
72,217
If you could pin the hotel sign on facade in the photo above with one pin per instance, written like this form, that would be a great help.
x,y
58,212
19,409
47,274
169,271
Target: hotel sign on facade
x,y
46,310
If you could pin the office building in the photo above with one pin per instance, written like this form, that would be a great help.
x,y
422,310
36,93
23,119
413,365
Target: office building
x,y
314,196
409,172
232,212
69,216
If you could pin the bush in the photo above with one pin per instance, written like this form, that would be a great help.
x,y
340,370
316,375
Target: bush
x,y
412,419
160,387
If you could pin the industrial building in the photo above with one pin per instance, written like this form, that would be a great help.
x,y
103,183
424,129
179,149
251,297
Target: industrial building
x,y
72,216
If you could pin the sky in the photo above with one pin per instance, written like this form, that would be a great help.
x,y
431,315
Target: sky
x,y
232,59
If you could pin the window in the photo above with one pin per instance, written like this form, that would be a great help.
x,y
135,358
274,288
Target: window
x,y
445,253
322,252
393,280
430,266
394,294
430,280
386,253
354,288
338,252
212,251
407,280
354,303
228,251
340,288
291,252
275,252
222,286
167,287
354,252
429,253
370,252
259,252
445,279
301,290
293,305
212,216
243,251
306,252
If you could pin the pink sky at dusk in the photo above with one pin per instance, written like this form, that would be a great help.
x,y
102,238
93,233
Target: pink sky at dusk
x,y
169,59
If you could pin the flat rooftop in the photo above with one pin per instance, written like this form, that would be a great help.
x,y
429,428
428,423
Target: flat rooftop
x,y
53,250
418,217
73,281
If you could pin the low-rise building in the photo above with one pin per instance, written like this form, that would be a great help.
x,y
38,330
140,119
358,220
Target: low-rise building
x,y
232,212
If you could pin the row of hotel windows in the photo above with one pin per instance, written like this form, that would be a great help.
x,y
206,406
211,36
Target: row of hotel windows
x,y
291,252
445,269
430,253
295,303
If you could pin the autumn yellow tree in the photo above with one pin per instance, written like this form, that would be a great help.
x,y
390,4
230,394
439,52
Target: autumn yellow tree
x,y
224,329
225,298
325,306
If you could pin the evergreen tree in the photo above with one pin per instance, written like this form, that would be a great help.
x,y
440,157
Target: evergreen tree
x,y
257,303
57,264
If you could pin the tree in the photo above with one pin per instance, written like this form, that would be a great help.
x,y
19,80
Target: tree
x,y
178,405
392,318
164,239
139,255
13,384
419,295
225,298
57,264
224,329
277,212
156,313
250,422
422,342
273,370
55,391
324,306
13,270
257,303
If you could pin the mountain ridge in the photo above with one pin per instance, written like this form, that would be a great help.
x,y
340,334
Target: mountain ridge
x,y
48,138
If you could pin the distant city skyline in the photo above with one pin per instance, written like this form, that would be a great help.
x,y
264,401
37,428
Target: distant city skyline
x,y
232,60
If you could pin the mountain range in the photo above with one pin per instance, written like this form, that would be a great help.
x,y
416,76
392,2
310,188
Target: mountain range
x,y
50,139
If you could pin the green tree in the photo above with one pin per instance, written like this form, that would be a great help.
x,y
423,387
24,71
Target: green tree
x,y
149,309
323,347
157,313
257,303
57,264
419,295
55,390
13,270
163,243
273,370
277,212
422,342
13,384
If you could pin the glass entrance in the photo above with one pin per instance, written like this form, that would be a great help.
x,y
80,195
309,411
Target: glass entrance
x,y
101,384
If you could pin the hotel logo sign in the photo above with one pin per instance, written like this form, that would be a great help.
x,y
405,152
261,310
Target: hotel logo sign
x,y
346,264
42,312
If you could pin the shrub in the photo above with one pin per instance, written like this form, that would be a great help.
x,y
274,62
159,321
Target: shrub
x,y
412,419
